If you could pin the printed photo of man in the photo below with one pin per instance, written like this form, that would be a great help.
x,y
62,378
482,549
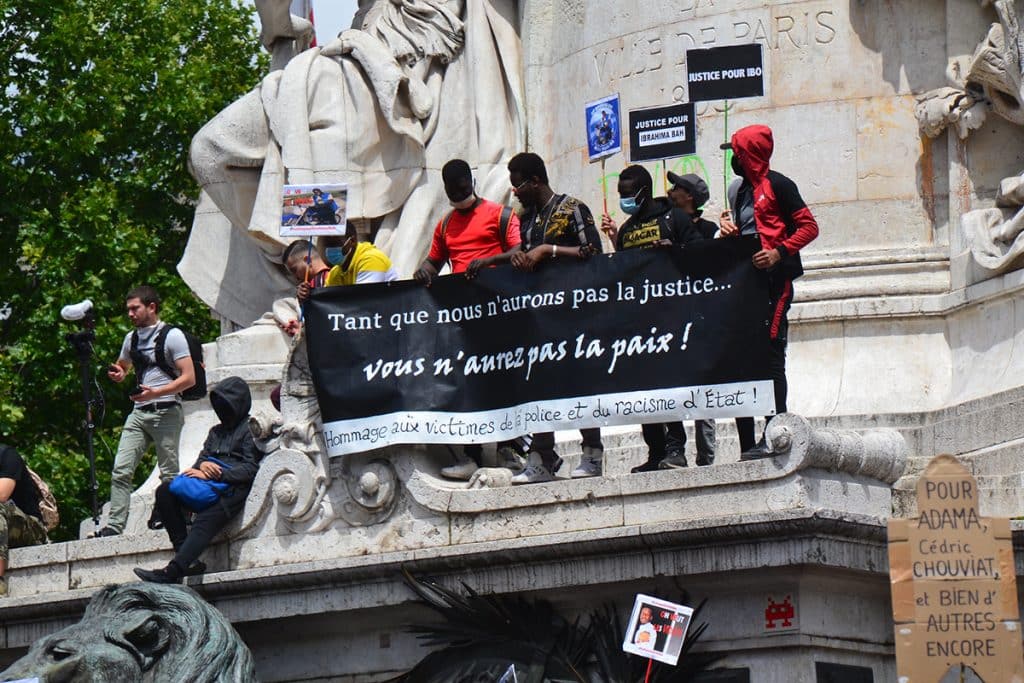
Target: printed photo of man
x,y
645,634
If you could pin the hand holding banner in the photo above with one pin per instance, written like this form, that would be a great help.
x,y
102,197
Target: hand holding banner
x,y
643,336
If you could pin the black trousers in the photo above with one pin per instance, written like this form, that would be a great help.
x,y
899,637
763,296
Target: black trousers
x,y
781,296
189,544
544,444
670,437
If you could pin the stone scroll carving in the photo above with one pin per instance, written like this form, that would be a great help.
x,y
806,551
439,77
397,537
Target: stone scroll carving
x,y
382,108
992,79
297,476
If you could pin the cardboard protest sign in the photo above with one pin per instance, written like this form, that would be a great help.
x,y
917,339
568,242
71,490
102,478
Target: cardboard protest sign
x,y
725,73
604,131
311,210
662,132
954,591
657,629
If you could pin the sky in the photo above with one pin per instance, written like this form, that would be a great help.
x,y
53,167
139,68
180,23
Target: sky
x,y
330,16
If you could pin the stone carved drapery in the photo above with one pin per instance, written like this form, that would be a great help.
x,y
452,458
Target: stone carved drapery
x,y
370,109
992,79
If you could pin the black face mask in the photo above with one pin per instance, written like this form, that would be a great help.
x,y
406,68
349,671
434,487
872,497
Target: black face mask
x,y
736,168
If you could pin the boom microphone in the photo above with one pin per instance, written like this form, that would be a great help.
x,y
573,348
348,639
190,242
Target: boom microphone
x,y
78,311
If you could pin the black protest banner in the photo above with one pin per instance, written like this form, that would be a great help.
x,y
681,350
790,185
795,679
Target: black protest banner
x,y
662,132
725,73
635,337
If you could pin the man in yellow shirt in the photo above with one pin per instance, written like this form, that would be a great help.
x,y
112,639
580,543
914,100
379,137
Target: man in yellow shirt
x,y
350,262
356,263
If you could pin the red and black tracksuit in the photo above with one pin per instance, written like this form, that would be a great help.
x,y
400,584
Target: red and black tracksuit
x,y
784,223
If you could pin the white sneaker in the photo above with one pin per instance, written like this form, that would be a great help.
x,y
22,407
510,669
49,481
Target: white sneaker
x,y
535,471
463,468
509,459
590,463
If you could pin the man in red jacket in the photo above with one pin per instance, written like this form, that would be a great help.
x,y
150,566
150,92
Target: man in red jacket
x,y
766,205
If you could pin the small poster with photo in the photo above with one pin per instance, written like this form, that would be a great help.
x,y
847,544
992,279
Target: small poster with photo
x,y
657,629
604,131
312,210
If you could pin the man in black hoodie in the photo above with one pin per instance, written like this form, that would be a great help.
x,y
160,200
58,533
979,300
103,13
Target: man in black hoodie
x,y
231,442
653,222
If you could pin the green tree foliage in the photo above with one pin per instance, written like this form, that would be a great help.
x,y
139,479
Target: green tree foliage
x,y
100,102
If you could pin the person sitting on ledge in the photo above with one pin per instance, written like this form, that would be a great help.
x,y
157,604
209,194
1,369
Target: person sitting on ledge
x,y
231,443
21,523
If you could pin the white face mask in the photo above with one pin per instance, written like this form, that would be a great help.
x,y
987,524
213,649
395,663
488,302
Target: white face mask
x,y
465,203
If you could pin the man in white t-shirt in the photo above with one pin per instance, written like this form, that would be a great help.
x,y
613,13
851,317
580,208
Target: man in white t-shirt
x,y
157,416
645,635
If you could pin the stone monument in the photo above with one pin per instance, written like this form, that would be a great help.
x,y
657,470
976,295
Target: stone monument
x,y
905,340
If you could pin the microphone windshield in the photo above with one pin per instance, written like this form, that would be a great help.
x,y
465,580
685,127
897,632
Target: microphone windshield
x,y
76,311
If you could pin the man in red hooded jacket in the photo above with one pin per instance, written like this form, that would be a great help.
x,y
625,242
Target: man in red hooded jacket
x,y
767,205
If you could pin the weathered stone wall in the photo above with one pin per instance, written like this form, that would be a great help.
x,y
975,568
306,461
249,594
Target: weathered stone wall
x,y
887,292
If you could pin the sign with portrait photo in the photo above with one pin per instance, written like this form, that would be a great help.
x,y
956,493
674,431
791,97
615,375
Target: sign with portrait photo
x,y
604,132
312,210
657,629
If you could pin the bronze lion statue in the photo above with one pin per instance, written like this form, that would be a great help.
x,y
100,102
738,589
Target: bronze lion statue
x,y
141,632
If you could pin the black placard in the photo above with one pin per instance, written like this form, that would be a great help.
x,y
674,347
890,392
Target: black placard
x,y
662,132
725,73
649,335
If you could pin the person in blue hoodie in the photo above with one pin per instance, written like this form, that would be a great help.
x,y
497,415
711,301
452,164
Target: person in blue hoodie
x,y
231,443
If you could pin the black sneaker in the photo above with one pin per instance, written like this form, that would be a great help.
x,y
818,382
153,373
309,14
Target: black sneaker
x,y
196,568
105,531
156,576
155,522
761,450
649,466
674,461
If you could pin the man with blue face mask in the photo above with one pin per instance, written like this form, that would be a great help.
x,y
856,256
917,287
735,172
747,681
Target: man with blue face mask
x,y
346,261
356,263
654,222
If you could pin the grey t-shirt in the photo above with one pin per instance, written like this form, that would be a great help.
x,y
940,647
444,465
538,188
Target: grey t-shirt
x,y
175,348
744,211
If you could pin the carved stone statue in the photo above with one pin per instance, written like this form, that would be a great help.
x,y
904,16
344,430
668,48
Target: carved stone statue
x,y
992,79
381,108
141,632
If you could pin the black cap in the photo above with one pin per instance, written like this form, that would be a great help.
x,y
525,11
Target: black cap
x,y
725,145
693,184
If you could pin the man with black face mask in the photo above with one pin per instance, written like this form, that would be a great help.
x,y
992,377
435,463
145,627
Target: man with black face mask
x,y
477,234
231,443
767,206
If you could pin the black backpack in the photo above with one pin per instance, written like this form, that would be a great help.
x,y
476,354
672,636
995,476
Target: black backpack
x,y
195,349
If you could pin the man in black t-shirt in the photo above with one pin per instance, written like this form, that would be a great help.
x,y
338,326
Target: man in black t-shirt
x,y
21,523
653,222
554,227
